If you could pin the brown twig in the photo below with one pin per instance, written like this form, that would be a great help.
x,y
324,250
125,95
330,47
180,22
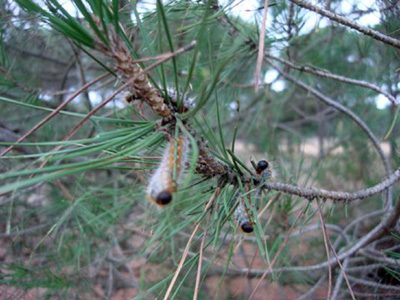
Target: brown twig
x,y
325,235
261,46
198,275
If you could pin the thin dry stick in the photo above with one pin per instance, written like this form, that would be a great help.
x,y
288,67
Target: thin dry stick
x,y
349,23
198,275
326,249
334,251
99,87
343,271
285,241
261,45
55,112
269,203
339,280
186,251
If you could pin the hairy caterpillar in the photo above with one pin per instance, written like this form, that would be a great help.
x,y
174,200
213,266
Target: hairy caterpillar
x,y
243,214
266,171
162,183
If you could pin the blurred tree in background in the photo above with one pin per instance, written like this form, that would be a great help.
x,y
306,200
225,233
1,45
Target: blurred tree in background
x,y
93,94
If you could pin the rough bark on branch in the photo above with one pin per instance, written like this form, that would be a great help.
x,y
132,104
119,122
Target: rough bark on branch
x,y
310,193
349,23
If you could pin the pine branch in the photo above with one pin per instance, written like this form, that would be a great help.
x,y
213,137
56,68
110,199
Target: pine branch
x,y
349,23
311,194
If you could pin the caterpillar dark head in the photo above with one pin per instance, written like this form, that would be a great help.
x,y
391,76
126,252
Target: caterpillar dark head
x,y
261,166
164,198
247,227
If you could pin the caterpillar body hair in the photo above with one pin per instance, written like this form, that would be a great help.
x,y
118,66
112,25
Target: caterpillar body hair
x,y
266,172
243,218
162,184
244,215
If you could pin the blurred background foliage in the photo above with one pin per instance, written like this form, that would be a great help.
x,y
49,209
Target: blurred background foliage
x,y
81,227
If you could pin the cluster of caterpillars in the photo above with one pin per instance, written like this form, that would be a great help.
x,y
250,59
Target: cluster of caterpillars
x,y
171,170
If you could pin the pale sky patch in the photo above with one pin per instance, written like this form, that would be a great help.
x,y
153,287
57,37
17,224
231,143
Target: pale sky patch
x,y
381,102
245,9
278,86
271,76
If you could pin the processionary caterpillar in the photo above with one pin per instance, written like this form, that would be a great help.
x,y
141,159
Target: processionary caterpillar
x,y
243,214
162,183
